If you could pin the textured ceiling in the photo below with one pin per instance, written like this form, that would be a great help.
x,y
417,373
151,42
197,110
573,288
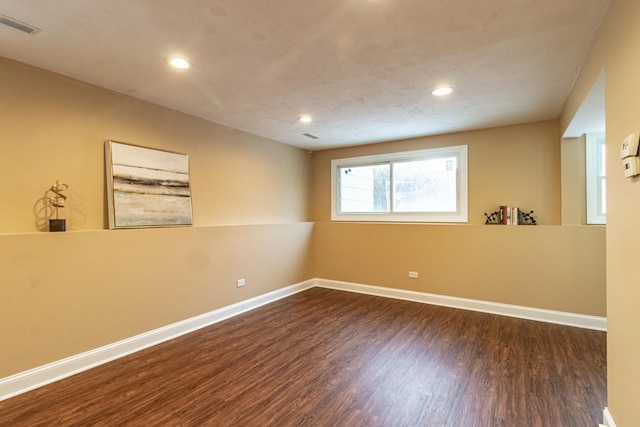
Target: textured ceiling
x,y
363,69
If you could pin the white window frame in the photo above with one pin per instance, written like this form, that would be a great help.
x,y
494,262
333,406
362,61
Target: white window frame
x,y
461,214
594,178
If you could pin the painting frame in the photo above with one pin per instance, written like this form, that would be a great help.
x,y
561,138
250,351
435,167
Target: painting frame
x,y
147,187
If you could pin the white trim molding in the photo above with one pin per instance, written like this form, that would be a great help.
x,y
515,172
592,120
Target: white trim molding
x,y
530,313
49,373
46,374
607,419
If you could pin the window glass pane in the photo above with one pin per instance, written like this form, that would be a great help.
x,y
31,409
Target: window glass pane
x,y
603,196
425,185
364,188
595,176
602,160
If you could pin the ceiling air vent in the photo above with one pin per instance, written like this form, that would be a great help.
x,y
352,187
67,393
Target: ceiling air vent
x,y
310,135
13,23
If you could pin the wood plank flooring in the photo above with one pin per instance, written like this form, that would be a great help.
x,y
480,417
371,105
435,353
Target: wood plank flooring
x,y
330,358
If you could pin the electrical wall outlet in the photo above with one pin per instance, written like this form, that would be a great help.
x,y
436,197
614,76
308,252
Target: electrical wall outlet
x,y
413,274
240,283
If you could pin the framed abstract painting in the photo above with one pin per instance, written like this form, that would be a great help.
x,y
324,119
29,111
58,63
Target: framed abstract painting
x,y
147,187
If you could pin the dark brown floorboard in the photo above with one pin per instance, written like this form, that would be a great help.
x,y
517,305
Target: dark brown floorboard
x,y
331,358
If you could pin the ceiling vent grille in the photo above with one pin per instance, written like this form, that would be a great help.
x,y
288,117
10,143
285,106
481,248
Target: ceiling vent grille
x,y
310,135
13,23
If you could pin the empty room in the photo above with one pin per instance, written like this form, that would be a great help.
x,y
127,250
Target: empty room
x,y
340,213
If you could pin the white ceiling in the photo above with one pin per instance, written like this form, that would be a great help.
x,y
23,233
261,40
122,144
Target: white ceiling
x,y
363,69
590,117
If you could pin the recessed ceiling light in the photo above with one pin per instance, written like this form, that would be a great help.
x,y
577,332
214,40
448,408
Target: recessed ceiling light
x,y
181,63
442,91
304,119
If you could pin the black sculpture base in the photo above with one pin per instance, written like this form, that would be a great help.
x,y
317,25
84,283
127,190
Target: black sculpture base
x,y
57,225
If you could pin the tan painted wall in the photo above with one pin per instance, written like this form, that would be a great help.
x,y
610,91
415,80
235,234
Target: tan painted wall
x,y
616,50
54,128
547,266
550,267
66,293
512,165
62,294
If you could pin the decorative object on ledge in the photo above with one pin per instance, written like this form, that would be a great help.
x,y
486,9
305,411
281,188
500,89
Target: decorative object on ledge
x,y
526,218
57,200
147,187
493,219
507,215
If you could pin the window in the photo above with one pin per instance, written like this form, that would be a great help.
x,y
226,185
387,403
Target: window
x,y
596,180
415,186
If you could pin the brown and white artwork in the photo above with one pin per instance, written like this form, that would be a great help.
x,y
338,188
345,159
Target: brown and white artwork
x,y
147,187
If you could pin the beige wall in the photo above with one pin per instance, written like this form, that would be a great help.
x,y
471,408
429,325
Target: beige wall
x,y
548,267
54,128
616,50
512,165
65,293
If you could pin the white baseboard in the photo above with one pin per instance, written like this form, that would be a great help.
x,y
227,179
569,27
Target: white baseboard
x,y
608,419
549,316
46,374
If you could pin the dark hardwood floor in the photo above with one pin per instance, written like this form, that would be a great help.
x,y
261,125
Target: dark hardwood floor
x,y
331,358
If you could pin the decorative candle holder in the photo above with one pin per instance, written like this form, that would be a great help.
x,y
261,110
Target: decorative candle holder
x,y
57,200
